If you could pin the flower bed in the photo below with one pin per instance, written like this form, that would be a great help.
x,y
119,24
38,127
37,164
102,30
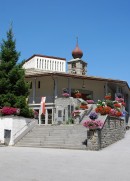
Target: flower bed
x,y
103,110
9,111
114,108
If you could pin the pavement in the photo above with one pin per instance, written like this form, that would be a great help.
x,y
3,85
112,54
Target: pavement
x,y
43,164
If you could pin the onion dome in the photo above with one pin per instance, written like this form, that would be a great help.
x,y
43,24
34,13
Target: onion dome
x,y
77,53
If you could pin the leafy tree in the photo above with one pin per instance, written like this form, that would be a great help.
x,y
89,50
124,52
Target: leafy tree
x,y
14,90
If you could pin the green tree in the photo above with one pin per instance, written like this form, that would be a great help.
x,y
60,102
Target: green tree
x,y
14,90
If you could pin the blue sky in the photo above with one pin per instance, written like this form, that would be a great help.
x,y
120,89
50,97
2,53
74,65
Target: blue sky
x,y
50,28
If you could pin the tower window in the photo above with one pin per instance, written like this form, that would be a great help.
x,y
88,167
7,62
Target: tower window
x,y
74,65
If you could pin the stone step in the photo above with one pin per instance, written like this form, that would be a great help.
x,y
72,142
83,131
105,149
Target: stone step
x,y
51,144
56,147
55,137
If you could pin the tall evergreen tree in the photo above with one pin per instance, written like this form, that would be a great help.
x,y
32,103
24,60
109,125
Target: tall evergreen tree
x,y
13,88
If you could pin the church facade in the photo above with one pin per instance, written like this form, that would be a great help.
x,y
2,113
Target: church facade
x,y
48,78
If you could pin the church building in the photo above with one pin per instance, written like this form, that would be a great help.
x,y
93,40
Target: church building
x,y
48,78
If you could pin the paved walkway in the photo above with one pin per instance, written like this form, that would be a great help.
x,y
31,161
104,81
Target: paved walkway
x,y
37,164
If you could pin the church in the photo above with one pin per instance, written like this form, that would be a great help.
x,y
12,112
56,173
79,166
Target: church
x,y
48,78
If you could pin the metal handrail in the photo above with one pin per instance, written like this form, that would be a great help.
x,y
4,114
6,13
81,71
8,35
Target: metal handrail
x,y
22,128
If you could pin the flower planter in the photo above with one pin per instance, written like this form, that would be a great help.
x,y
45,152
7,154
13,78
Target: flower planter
x,y
76,113
108,97
65,95
78,95
84,107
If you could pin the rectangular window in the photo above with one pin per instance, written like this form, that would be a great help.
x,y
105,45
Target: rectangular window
x,y
59,113
38,84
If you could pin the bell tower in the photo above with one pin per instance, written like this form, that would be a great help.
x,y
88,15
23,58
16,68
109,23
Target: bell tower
x,y
77,65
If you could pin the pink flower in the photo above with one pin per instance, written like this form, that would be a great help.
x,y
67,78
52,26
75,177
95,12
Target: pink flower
x,y
93,124
90,101
9,110
119,99
65,95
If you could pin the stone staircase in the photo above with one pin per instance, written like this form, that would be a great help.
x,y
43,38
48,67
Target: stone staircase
x,y
60,136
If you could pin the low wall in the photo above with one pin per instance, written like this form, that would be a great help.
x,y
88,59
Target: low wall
x,y
17,127
112,131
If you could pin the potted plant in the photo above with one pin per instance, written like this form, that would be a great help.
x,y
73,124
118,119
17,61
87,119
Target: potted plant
x,y
93,115
65,95
108,96
76,107
93,124
77,94
89,97
90,101
83,105
76,113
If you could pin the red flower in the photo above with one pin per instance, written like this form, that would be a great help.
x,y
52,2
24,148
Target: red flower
x,y
103,110
118,113
84,107
108,97
117,105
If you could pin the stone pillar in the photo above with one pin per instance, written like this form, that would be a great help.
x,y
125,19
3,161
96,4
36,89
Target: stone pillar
x,y
55,87
34,90
40,116
46,117
94,140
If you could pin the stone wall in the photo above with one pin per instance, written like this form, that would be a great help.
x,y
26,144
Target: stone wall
x,y
112,131
64,108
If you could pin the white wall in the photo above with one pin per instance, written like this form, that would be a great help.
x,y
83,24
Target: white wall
x,y
19,126
46,64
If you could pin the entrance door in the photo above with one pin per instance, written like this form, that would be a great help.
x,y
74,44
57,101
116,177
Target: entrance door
x,y
47,118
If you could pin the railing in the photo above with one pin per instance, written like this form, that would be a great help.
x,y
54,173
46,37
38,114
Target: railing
x,y
20,133
22,128
86,112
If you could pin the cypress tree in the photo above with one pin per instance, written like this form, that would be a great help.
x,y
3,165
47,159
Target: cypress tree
x,y
14,90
